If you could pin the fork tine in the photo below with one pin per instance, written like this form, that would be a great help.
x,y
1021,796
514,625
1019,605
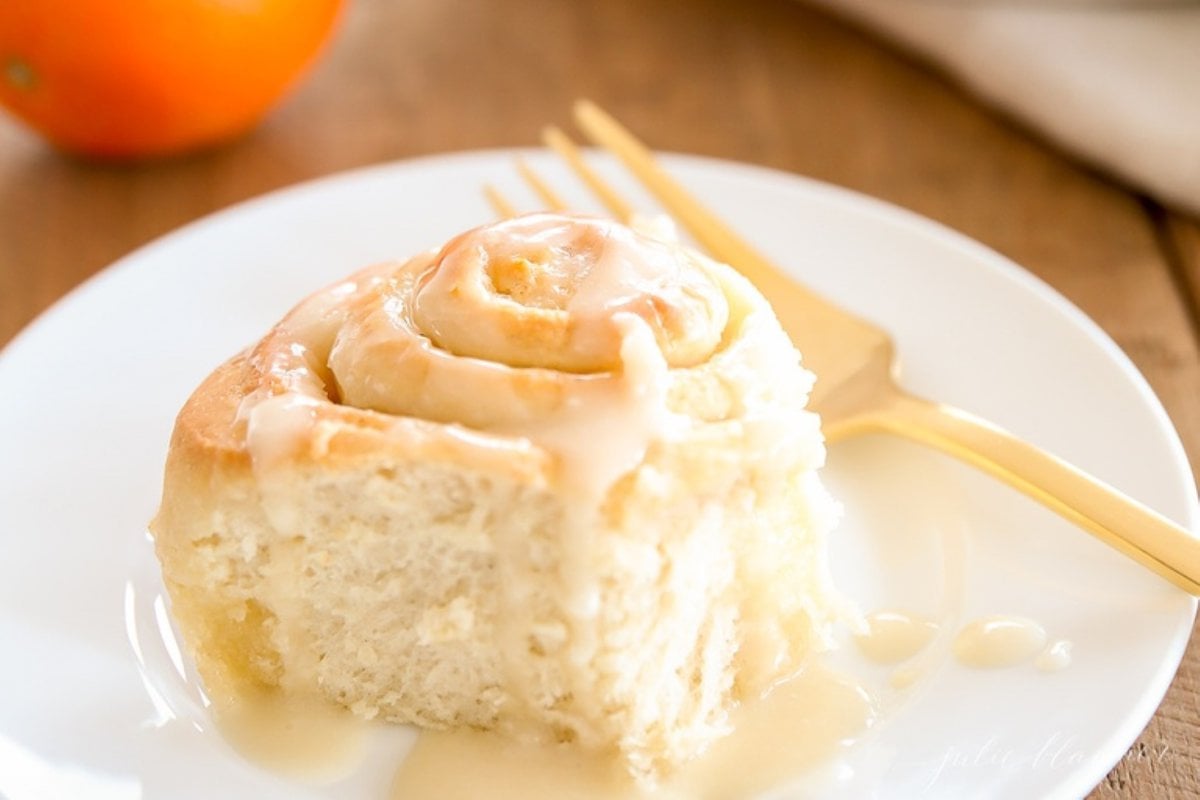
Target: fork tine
x,y
551,198
560,143
499,202
717,237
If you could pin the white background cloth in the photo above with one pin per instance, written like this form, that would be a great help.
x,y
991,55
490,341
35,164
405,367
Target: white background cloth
x,y
1118,84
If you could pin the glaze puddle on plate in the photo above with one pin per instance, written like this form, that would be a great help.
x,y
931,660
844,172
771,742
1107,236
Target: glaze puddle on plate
x,y
803,723
999,641
297,736
894,636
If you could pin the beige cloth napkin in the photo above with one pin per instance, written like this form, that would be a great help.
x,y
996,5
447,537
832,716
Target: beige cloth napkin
x,y
1117,84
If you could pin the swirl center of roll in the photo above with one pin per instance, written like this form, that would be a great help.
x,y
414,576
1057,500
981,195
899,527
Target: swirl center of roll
x,y
544,290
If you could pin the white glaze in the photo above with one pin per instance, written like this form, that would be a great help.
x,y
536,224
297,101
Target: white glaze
x,y
999,641
803,722
894,636
1055,656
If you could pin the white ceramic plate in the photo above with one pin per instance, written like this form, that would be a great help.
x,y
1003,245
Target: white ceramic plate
x,y
89,391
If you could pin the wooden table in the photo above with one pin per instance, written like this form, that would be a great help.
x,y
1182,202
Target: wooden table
x,y
768,82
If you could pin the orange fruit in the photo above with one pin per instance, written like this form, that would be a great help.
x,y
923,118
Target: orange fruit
x,y
124,79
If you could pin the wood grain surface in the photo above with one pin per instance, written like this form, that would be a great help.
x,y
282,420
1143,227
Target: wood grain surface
x,y
769,82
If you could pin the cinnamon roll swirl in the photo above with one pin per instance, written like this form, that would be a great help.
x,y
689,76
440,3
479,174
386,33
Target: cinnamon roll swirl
x,y
555,478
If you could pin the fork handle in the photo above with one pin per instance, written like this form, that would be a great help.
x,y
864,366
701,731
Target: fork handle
x,y
1116,519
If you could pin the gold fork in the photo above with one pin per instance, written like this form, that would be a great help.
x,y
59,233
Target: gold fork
x,y
856,390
